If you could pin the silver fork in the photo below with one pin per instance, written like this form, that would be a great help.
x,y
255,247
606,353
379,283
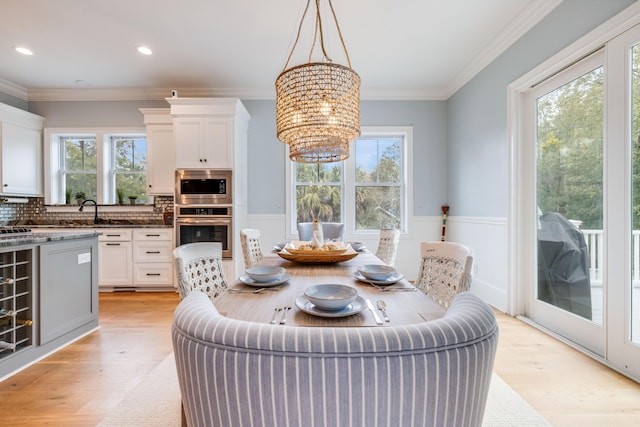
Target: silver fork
x,y
285,310
275,315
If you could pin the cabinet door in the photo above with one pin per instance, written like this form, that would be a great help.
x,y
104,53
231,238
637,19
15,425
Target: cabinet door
x,y
114,265
68,288
21,160
161,160
218,142
188,137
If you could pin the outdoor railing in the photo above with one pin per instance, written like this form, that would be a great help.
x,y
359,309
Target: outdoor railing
x,y
595,243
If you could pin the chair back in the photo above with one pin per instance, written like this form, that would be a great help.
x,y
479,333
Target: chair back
x,y
388,246
332,231
199,268
238,373
445,270
251,249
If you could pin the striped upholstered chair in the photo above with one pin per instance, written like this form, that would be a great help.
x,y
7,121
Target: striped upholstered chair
x,y
238,373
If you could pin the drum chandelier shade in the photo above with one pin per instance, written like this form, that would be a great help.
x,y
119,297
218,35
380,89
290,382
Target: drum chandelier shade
x,y
318,104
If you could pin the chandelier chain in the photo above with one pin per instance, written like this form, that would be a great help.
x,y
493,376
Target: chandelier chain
x,y
318,29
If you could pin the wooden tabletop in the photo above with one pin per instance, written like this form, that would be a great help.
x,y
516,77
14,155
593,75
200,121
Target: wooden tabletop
x,y
403,307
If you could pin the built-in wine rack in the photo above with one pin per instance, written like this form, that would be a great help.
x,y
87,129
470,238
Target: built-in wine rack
x,y
16,300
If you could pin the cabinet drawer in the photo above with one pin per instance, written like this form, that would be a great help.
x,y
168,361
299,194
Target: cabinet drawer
x,y
160,251
153,274
153,234
114,235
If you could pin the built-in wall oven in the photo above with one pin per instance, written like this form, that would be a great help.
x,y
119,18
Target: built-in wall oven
x,y
198,223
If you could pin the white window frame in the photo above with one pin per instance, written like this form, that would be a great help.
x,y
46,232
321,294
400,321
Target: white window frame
x,y
53,187
348,184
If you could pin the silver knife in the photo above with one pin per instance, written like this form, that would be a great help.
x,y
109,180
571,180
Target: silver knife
x,y
373,311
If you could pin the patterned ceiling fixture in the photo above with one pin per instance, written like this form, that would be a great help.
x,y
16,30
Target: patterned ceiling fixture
x,y
318,103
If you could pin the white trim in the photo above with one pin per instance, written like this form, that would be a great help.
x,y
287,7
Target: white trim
x,y
13,89
526,20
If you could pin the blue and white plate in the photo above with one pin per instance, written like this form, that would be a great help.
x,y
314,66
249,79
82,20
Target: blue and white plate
x,y
354,308
250,282
394,278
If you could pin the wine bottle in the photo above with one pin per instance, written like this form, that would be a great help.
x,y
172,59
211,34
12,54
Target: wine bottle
x,y
6,321
6,280
7,346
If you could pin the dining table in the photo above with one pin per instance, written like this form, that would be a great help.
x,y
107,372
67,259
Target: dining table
x,y
280,305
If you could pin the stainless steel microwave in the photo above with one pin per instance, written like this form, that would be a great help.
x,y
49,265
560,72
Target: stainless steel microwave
x,y
203,187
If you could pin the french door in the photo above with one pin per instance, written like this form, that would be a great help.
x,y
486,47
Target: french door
x,y
580,205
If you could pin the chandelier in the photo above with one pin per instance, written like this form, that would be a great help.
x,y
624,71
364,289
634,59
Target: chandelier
x,y
318,103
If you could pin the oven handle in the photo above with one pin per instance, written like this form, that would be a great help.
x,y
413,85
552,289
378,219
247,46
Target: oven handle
x,y
203,221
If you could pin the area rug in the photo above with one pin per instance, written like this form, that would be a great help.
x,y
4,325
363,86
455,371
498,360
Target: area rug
x,y
155,402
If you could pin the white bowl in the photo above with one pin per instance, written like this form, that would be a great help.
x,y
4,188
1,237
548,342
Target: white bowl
x,y
265,274
331,296
376,271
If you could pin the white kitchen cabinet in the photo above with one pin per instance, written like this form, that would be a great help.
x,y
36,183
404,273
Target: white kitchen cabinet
x,y
204,142
21,151
153,258
211,133
161,160
115,269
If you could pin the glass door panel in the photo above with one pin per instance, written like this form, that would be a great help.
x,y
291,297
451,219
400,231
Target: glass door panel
x,y
634,291
569,195
568,292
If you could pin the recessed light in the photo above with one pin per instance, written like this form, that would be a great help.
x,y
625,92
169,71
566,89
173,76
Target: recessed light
x,y
144,50
23,50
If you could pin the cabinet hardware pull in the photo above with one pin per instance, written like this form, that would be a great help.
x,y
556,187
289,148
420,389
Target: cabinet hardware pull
x,y
153,252
112,235
153,274
113,244
153,235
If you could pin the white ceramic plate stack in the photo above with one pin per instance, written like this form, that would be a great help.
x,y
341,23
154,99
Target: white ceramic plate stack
x,y
265,277
331,300
378,274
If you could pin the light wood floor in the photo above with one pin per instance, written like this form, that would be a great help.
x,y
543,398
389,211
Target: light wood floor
x,y
78,385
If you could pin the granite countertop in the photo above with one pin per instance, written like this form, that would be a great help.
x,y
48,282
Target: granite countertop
x,y
106,223
39,238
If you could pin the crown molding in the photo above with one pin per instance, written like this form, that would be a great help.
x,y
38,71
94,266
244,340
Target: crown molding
x,y
529,17
13,89
535,12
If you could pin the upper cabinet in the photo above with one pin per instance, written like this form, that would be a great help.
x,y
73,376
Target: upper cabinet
x,y
209,133
21,152
161,161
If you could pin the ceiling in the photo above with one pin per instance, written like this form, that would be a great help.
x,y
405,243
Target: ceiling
x,y
402,49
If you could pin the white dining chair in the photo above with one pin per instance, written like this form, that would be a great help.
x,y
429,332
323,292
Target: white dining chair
x,y
199,268
251,249
332,231
388,245
445,270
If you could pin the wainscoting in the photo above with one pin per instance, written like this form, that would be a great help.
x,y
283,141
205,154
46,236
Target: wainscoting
x,y
486,236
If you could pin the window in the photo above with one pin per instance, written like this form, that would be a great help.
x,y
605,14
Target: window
x,y
130,167
368,191
78,167
106,166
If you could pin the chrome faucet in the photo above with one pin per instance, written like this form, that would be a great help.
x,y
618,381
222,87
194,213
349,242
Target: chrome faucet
x,y
96,220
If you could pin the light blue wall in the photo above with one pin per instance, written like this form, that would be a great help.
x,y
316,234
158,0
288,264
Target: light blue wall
x,y
477,113
267,155
93,113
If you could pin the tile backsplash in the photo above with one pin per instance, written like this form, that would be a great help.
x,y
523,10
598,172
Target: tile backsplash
x,y
35,210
